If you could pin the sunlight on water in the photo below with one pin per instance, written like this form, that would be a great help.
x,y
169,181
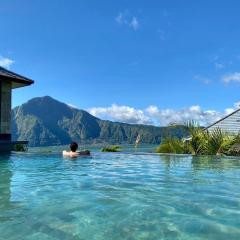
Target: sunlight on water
x,y
119,196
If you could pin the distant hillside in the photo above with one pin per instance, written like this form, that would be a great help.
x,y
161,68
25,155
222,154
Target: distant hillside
x,y
44,121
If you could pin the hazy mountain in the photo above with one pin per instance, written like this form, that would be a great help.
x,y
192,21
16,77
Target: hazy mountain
x,y
44,121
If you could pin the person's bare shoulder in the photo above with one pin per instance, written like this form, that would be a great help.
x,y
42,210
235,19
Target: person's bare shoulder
x,y
65,153
70,154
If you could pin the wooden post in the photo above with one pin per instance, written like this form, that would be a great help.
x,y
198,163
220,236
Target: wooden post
x,y
5,110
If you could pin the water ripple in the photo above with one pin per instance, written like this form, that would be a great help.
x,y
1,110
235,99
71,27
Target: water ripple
x,y
119,196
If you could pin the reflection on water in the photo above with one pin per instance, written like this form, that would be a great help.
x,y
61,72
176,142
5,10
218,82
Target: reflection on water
x,y
5,186
201,162
119,196
214,162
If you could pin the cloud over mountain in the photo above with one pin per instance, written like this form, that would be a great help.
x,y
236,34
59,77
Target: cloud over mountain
x,y
159,117
121,114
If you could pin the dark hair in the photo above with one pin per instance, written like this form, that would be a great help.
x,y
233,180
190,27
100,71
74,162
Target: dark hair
x,y
73,146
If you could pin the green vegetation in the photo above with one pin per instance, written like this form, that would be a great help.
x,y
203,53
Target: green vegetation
x,y
202,142
20,148
173,145
111,149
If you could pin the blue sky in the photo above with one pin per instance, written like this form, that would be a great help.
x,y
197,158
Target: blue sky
x,y
134,61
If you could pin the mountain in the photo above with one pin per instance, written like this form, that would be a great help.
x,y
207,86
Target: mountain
x,y
44,121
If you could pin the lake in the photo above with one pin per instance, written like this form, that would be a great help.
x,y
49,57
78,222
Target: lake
x,y
119,196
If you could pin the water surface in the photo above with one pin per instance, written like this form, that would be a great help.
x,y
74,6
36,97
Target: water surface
x,y
119,196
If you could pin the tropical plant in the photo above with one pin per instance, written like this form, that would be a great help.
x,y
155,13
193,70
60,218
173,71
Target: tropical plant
x,y
113,148
201,142
20,147
173,145
216,140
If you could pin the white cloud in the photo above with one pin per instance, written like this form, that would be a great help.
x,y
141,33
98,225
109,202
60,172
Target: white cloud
x,y
165,117
237,105
229,110
220,62
72,106
6,62
121,114
232,77
159,117
125,18
134,24
119,18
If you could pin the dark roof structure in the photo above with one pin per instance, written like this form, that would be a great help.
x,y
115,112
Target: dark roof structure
x,y
16,79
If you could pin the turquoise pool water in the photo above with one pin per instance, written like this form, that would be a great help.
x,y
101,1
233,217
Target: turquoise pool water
x,y
119,196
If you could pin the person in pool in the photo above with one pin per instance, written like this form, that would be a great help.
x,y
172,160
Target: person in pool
x,y
73,151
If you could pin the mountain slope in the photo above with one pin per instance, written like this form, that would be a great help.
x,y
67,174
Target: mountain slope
x,y
45,121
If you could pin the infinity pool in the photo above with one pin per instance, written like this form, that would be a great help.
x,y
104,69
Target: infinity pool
x,y
119,196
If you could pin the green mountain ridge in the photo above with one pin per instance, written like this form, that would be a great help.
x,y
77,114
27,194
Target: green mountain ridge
x,y
44,121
